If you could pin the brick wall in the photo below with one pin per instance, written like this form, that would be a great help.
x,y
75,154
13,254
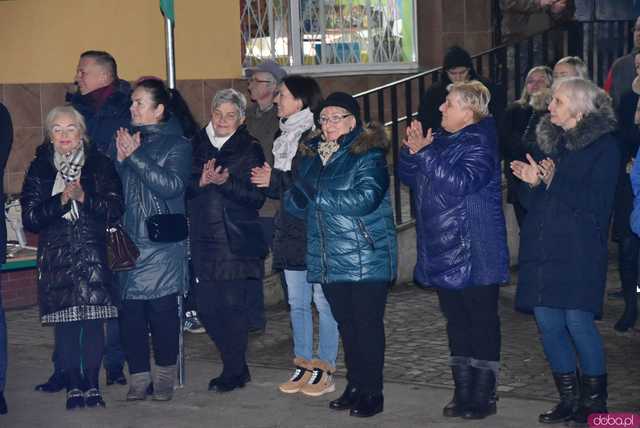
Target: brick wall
x,y
19,288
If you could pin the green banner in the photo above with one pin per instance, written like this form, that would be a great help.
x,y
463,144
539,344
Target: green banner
x,y
166,6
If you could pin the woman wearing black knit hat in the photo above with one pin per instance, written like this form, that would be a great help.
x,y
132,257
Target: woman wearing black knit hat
x,y
341,189
457,67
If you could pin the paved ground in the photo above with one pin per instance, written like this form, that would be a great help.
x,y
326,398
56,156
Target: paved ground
x,y
417,377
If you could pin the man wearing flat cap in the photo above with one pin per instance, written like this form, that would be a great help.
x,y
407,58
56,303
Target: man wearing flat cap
x,y
262,118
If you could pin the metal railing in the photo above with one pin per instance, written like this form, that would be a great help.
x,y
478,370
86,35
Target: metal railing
x,y
395,104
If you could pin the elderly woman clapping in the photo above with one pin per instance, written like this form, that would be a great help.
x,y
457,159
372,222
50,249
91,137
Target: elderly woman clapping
x,y
68,193
568,192
227,265
462,247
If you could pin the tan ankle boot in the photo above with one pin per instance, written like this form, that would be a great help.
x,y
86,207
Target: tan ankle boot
x,y
321,380
163,383
138,384
300,376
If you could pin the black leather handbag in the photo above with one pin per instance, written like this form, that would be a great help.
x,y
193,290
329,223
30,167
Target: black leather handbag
x,y
245,233
166,227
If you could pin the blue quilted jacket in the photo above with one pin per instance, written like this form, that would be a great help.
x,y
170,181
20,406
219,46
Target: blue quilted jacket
x,y
351,235
461,232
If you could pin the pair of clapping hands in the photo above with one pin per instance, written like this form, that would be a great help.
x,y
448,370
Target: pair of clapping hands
x,y
72,192
415,140
533,172
213,174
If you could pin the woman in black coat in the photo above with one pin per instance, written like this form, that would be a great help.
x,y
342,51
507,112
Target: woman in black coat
x,y
519,117
68,195
568,194
227,244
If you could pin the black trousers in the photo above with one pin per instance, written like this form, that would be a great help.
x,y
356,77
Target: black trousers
x,y
223,310
158,316
80,345
359,311
473,323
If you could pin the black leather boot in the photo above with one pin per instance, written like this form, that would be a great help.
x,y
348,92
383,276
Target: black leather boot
x,y
567,385
482,403
346,400
367,405
463,380
593,397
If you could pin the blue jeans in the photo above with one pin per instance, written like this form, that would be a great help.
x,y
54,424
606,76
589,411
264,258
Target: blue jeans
x,y
565,332
3,347
301,293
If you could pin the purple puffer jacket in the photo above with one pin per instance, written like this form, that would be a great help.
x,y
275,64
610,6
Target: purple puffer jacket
x,y
461,232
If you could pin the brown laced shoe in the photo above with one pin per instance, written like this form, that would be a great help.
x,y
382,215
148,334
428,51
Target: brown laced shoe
x,y
321,380
300,376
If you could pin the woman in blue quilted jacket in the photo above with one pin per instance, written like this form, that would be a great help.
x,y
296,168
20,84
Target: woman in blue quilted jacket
x,y
461,233
340,188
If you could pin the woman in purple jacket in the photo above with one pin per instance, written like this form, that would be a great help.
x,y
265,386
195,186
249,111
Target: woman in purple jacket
x,y
461,233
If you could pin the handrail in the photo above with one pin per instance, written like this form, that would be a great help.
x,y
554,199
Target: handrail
x,y
394,104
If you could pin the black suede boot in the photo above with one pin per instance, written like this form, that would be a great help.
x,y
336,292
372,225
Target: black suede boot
x,y
593,397
346,400
463,380
482,402
567,385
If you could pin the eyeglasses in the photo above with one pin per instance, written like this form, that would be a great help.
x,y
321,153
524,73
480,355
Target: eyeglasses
x,y
333,119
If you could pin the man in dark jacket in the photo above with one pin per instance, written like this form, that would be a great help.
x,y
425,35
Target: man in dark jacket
x,y
103,99
6,139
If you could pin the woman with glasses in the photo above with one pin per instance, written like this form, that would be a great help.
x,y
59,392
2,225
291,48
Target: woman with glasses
x,y
69,194
227,245
340,188
297,100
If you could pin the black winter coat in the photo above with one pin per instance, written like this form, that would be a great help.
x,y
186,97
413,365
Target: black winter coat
x,y
72,265
289,232
517,119
563,241
210,251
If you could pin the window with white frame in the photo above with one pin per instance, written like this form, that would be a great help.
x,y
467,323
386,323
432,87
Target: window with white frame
x,y
329,35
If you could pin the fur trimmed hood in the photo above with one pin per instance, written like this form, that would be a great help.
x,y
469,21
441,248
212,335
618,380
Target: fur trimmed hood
x,y
592,126
372,136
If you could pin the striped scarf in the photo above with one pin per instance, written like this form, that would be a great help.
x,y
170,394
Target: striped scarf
x,y
69,166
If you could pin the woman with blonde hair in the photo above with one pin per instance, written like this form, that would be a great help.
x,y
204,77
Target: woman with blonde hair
x,y
70,193
462,242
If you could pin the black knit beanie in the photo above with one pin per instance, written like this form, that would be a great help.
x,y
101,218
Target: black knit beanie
x,y
456,57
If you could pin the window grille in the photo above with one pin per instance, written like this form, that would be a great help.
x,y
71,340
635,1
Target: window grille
x,y
329,34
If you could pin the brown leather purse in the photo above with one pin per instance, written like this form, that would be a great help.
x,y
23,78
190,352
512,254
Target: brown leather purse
x,y
122,253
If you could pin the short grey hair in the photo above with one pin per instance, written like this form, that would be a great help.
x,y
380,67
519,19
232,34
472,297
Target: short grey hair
x,y
68,110
473,95
584,96
232,96
577,64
